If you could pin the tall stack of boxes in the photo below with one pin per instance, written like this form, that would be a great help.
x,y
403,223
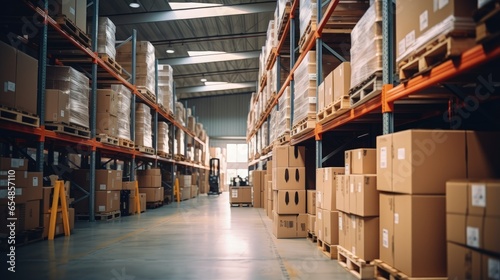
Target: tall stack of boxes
x,y
358,199
258,185
107,112
150,184
289,192
162,145
143,131
108,184
268,190
124,97
165,87
106,37
145,63
335,86
327,215
185,183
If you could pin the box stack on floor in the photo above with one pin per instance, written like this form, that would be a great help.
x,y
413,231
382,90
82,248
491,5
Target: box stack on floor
x,y
132,207
150,183
413,167
358,199
185,183
289,192
194,185
257,181
267,192
144,68
327,214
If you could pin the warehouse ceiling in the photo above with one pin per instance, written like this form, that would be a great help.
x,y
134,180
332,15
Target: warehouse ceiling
x,y
235,30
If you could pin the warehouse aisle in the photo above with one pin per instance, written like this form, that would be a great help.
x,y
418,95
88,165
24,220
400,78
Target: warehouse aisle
x,y
201,238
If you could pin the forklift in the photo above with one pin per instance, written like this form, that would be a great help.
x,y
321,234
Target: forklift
x,y
214,177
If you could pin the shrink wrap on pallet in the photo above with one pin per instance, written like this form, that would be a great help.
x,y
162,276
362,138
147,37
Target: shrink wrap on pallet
x,y
305,88
75,84
306,13
366,45
180,113
165,87
145,63
163,138
284,113
143,135
106,38
124,100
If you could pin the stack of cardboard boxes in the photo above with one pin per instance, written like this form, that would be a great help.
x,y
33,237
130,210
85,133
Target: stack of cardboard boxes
x,y
257,181
145,63
150,184
289,193
132,208
74,10
185,183
268,190
311,211
358,199
108,184
335,86
123,111
107,112
327,215
194,184
163,143
143,134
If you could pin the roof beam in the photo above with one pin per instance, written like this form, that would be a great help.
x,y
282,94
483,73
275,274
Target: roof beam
x,y
218,11
227,86
210,58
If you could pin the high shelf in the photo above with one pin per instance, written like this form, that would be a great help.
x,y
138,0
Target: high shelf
x,y
21,139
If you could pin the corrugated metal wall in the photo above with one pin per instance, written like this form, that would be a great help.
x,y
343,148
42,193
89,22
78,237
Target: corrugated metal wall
x,y
222,116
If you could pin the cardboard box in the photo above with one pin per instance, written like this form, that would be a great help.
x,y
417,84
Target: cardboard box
x,y
56,106
348,162
366,196
157,172
142,201
194,191
412,245
384,162
28,187
67,8
367,238
81,14
348,189
363,161
107,124
473,197
321,97
256,198
289,178
329,89
47,193
489,267
341,80
386,245
153,194
289,226
319,224
319,187
21,179
107,201
330,187
59,224
129,186
16,164
26,83
331,227
280,157
110,180
342,229
240,194
288,156
483,155
8,76
474,231
107,101
32,215
311,224
269,209
339,192
419,158
184,180
71,218
185,192
311,202
351,231
131,206
424,21
290,201
463,262
149,181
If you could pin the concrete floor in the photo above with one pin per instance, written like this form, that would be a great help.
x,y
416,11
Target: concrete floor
x,y
201,238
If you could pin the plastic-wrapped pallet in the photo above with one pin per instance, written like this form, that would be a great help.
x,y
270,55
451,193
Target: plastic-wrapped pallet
x,y
366,45
264,134
305,88
284,113
273,124
163,138
145,63
179,144
307,13
106,37
271,40
124,98
143,135
282,6
75,84
180,113
165,87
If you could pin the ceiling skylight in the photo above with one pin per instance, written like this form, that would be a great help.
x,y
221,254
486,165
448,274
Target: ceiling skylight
x,y
190,5
202,53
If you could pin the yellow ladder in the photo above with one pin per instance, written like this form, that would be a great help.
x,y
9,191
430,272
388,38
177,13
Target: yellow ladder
x,y
137,200
177,192
59,195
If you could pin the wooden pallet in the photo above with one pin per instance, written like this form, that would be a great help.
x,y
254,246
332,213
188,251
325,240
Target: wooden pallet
x,y
488,22
22,238
270,59
126,143
332,26
304,126
328,250
164,155
69,129
154,205
433,54
241,204
366,90
147,93
105,216
71,28
283,139
19,117
267,150
385,271
179,157
106,139
308,33
284,19
360,268
334,110
146,150
111,63
312,237
263,81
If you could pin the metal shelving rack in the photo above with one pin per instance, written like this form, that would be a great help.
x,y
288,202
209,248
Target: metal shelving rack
x,y
381,107
91,147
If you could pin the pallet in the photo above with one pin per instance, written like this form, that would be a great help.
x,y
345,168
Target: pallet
x,y
331,27
334,110
283,139
24,237
107,216
312,237
179,157
146,150
284,19
71,28
69,129
111,63
271,58
385,271
366,90
147,93
356,266
267,150
304,126
488,22
106,139
163,154
126,143
308,33
154,205
433,54
241,204
19,117
263,80
328,250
